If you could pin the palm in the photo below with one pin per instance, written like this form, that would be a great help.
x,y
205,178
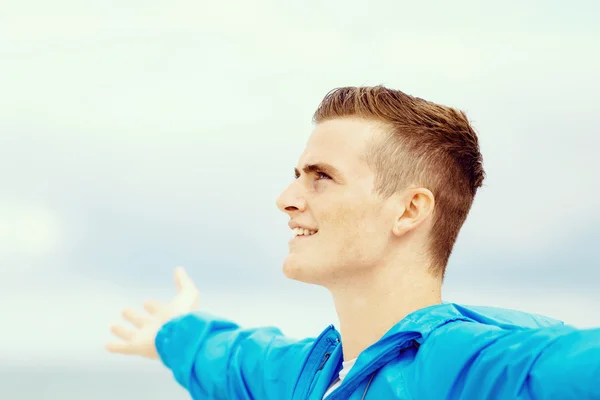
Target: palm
x,y
139,339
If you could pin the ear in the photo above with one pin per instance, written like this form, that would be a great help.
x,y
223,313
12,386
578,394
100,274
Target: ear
x,y
416,206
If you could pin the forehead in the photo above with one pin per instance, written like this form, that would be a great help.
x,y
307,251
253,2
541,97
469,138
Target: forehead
x,y
341,143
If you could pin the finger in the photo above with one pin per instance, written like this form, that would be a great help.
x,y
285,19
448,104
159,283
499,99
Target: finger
x,y
120,347
183,281
187,297
154,307
122,332
137,318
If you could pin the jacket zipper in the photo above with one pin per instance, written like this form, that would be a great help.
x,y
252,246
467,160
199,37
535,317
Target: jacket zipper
x,y
312,374
325,358
344,391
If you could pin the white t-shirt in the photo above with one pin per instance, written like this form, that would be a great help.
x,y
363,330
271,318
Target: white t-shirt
x,y
346,367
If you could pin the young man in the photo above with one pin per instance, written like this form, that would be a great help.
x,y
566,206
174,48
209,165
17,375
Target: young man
x,y
381,191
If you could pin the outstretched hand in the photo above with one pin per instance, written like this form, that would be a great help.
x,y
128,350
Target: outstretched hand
x,y
139,338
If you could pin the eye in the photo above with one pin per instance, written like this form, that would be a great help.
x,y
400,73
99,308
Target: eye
x,y
322,175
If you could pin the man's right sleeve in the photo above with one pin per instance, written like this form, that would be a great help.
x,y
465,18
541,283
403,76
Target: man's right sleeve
x,y
216,359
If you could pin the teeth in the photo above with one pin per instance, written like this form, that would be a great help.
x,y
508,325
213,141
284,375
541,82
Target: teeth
x,y
303,232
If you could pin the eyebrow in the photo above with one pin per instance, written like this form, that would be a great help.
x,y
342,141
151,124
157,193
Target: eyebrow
x,y
319,167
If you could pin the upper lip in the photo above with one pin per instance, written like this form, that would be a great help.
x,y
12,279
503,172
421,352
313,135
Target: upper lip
x,y
294,225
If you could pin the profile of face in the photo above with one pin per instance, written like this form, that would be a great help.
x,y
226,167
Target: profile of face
x,y
341,227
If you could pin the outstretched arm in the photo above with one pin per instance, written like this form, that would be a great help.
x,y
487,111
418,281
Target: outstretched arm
x,y
466,361
215,358
211,357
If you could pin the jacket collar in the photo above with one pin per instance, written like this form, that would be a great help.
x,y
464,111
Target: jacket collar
x,y
415,328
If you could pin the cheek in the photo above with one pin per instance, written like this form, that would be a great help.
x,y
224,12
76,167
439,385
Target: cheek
x,y
353,217
358,231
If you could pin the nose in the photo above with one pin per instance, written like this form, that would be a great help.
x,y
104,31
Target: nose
x,y
291,199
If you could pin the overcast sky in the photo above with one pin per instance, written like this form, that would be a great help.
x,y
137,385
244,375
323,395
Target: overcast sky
x,y
140,135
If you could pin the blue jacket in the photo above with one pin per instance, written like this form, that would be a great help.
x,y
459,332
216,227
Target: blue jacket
x,y
441,352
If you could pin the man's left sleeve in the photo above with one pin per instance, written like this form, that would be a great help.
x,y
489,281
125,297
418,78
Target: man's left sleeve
x,y
465,360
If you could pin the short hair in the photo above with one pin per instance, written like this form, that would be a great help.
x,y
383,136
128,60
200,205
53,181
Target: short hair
x,y
425,144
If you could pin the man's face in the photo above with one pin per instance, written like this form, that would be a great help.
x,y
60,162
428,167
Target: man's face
x,y
344,228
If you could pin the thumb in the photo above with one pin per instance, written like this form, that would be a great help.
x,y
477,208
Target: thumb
x,y
187,293
182,280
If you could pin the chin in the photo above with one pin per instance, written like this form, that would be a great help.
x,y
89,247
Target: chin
x,y
306,272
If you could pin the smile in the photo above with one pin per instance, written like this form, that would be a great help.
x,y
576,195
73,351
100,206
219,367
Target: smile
x,y
297,232
302,232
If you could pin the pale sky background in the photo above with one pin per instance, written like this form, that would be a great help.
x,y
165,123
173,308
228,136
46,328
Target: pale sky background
x,y
140,135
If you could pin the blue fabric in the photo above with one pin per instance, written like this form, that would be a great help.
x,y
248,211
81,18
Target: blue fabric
x,y
446,351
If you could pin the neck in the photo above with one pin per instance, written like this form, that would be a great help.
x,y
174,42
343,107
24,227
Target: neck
x,y
370,305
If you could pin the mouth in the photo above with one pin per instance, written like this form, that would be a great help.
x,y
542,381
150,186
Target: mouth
x,y
298,233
